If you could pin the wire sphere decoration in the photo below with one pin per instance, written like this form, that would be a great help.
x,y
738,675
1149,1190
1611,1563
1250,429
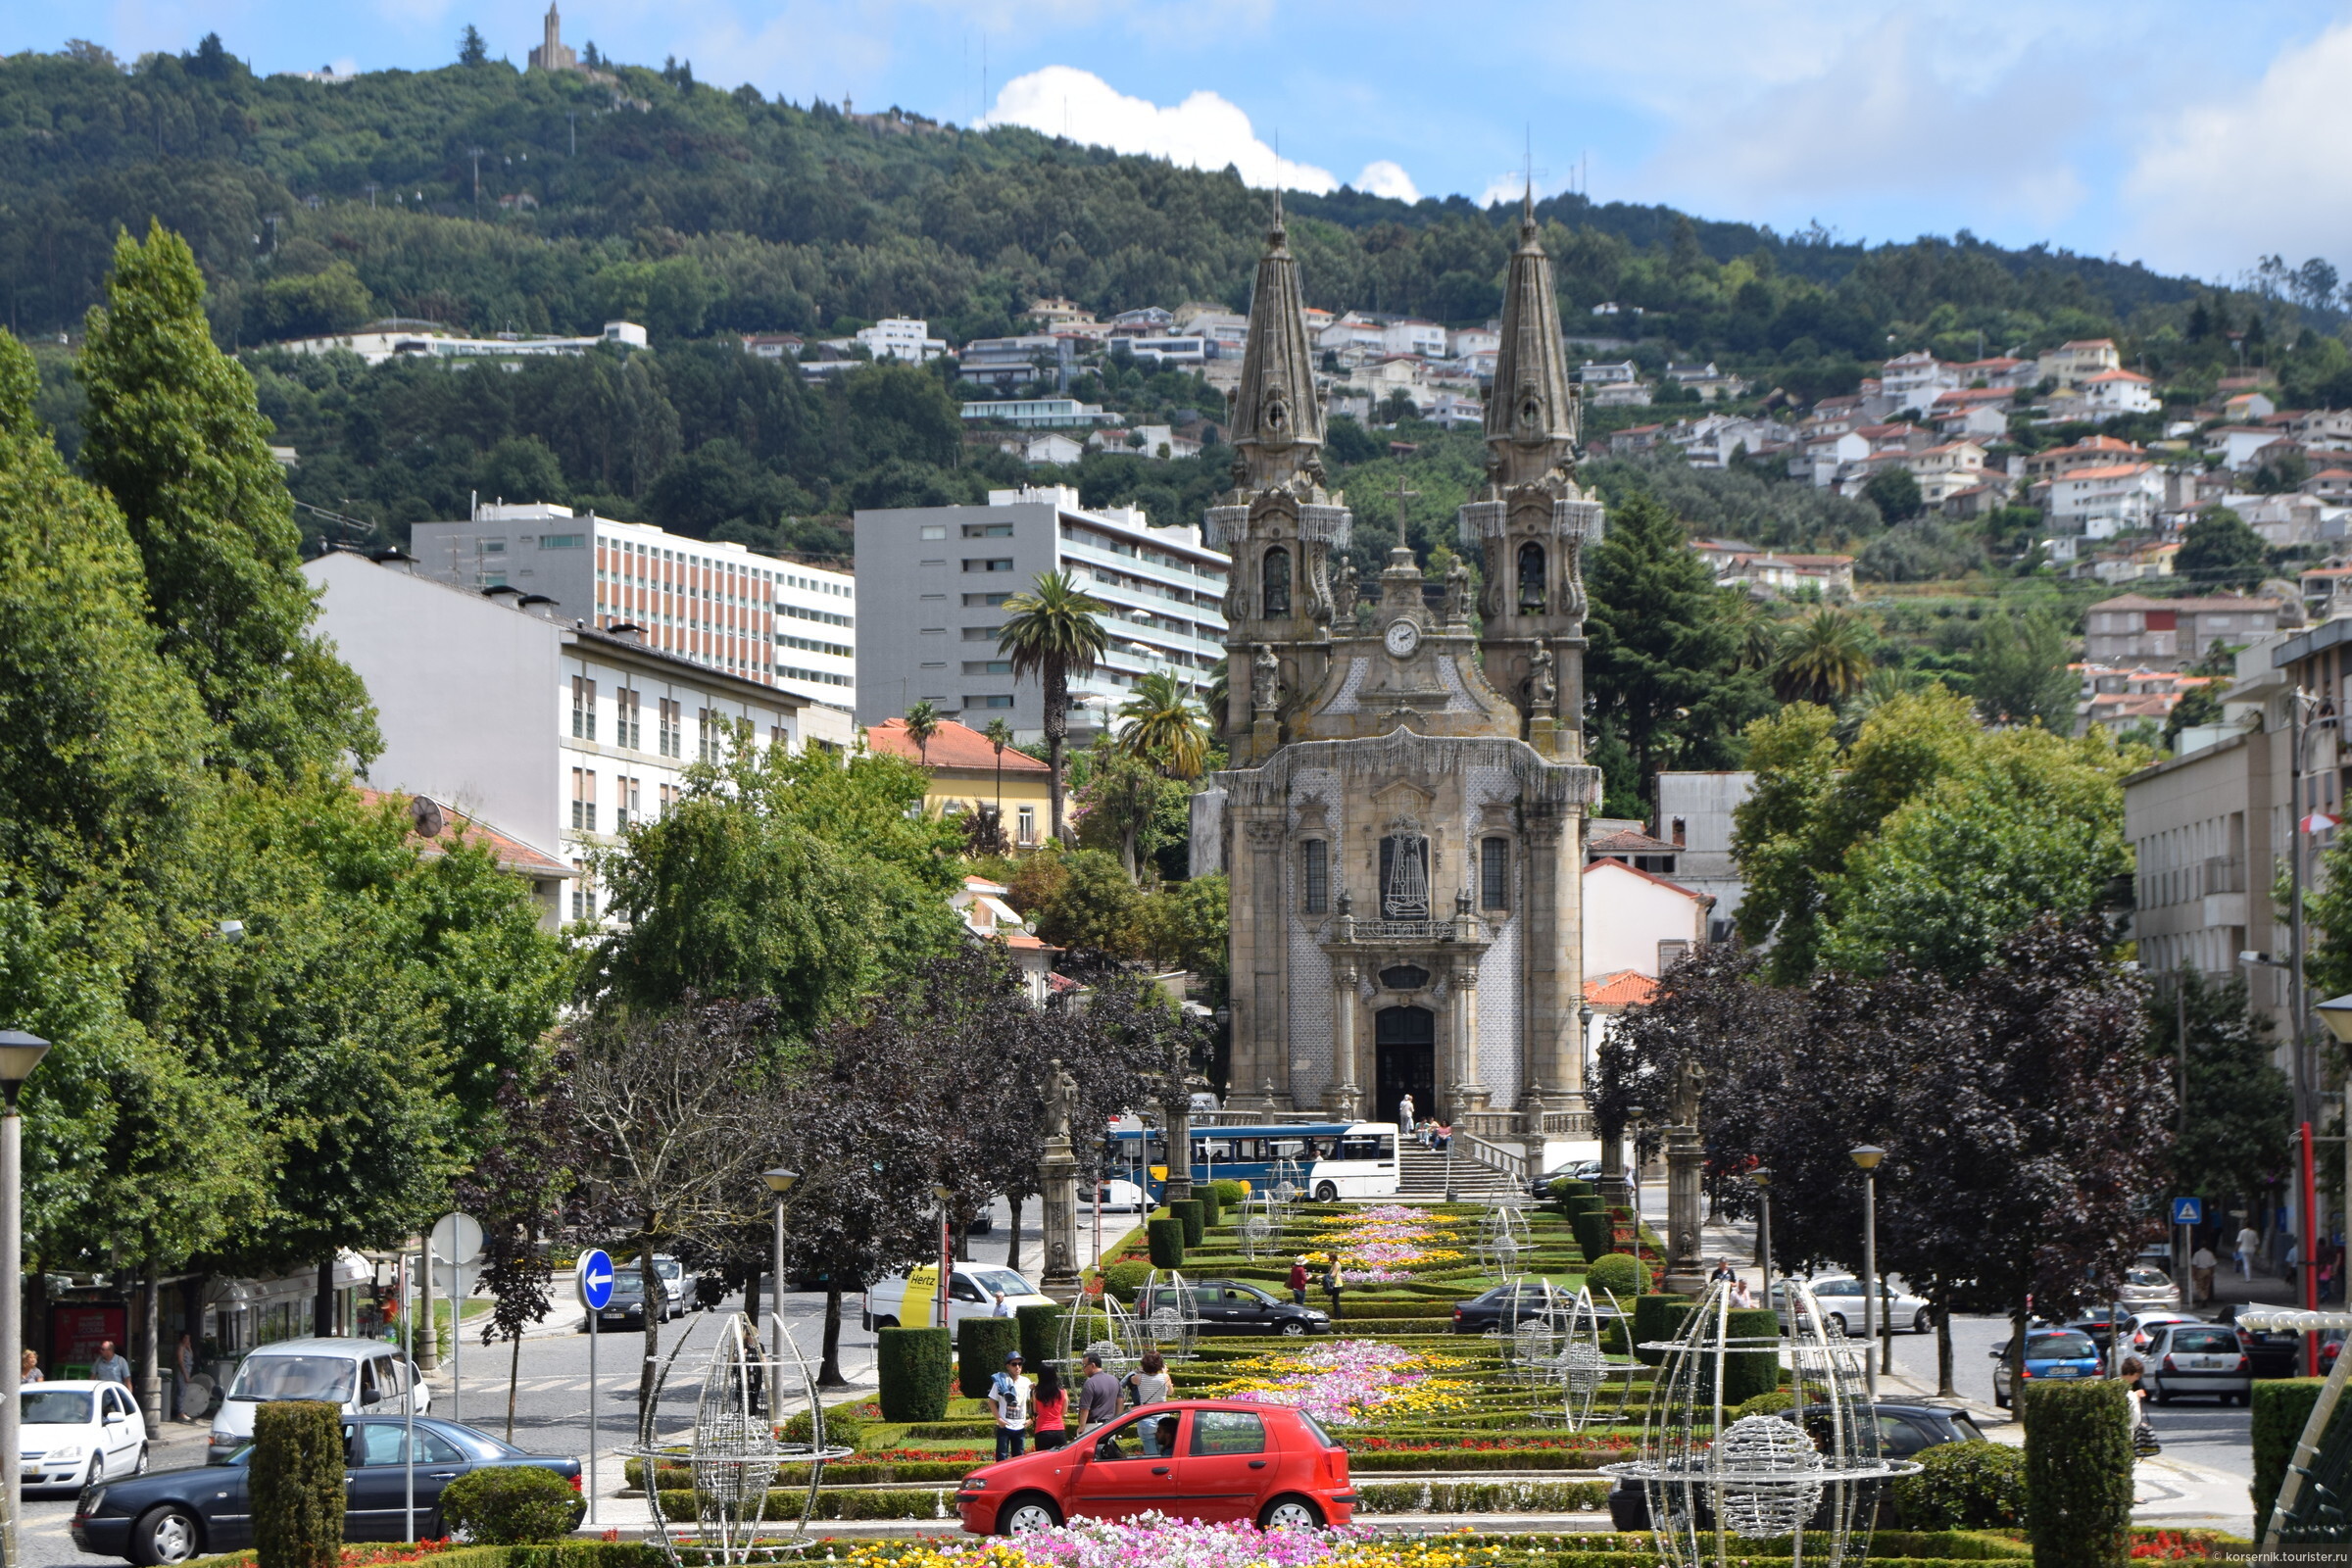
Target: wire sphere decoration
x,y
1260,1225
1102,1329
1585,1367
738,1447
1505,1239
1289,1183
1810,1476
1167,1316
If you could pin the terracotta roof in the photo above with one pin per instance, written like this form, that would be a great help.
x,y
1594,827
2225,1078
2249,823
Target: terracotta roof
x,y
2107,471
2216,602
1626,988
2115,376
1693,894
2333,474
953,745
1628,841
512,854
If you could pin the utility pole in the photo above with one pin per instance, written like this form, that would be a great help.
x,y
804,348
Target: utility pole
x,y
572,118
476,154
272,218
371,187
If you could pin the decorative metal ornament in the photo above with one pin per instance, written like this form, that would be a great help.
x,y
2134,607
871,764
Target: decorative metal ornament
x,y
1811,1476
1260,1225
1505,1239
738,1447
1167,1316
1103,1330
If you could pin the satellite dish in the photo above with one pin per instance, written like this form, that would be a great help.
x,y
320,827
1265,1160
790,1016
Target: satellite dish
x,y
425,812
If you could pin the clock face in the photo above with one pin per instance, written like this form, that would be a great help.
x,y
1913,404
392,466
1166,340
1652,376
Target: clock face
x,y
1403,637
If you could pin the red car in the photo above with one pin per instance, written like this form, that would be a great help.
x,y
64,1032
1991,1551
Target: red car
x,y
1209,1459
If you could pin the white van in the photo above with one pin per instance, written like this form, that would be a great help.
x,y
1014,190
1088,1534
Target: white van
x,y
363,1377
911,1300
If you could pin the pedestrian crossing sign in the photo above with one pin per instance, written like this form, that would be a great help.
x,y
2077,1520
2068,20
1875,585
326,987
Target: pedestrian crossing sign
x,y
2188,1211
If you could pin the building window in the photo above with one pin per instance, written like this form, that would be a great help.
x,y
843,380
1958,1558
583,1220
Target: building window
x,y
1404,877
1025,825
627,728
1275,577
988,530
1532,586
1316,872
669,798
933,530
1671,953
583,708
625,807
583,892
671,720
583,800
1495,873
988,564
987,666
988,702
707,728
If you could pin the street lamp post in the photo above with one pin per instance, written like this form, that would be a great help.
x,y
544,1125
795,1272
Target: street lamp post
x,y
20,1053
947,1263
779,1182
1762,1179
1868,1156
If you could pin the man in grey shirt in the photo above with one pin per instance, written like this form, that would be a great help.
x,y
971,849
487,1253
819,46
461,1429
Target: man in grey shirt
x,y
110,1366
1098,1398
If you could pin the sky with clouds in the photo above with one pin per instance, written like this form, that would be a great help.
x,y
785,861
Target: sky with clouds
x,y
2195,137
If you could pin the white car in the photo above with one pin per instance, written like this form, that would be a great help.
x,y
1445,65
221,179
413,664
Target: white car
x,y
2148,1288
362,1377
1123,1195
911,1300
1840,1299
79,1433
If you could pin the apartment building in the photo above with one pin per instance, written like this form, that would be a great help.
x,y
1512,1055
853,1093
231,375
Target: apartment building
x,y
560,733
714,603
2135,630
2103,500
2072,363
939,577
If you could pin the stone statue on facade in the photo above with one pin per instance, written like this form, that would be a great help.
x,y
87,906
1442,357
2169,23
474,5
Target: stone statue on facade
x,y
1343,593
1457,592
1543,689
1265,680
1061,1102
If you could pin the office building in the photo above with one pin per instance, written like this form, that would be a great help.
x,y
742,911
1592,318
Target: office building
x,y
938,577
714,603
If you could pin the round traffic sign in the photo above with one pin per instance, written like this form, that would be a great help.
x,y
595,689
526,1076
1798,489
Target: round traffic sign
x,y
594,1279
457,1239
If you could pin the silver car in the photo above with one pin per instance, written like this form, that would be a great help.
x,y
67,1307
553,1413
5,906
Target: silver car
x,y
2145,1288
2198,1358
1841,1300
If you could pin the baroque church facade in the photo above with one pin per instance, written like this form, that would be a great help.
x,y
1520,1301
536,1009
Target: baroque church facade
x,y
1402,823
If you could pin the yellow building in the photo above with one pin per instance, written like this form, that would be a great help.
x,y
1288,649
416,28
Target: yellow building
x,y
967,774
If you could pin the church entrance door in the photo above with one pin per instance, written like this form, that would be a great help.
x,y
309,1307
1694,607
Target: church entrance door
x,y
1405,1050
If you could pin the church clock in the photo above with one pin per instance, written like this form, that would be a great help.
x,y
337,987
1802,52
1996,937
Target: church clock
x,y
1403,637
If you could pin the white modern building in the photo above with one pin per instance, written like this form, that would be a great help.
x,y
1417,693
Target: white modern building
x,y
558,734
939,576
2107,499
396,337
712,602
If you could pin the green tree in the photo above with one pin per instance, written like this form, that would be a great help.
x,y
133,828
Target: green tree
x,y
471,51
2198,706
1000,736
1895,493
1125,805
1165,726
1184,925
922,722
2020,671
2241,1105
2219,551
1052,633
1823,657
171,431
1664,667
1093,907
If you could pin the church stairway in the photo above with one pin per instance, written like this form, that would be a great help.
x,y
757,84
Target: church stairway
x,y
1421,1173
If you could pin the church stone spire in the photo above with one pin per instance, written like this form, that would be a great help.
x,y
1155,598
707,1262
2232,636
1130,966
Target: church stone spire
x,y
1277,419
1531,409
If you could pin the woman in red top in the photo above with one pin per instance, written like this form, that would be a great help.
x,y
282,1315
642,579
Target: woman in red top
x,y
1299,1282
1052,1403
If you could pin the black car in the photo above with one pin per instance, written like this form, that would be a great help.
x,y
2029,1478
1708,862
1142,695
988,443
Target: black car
x,y
1904,1430
2275,1353
169,1516
626,1308
1581,1171
1484,1314
1237,1306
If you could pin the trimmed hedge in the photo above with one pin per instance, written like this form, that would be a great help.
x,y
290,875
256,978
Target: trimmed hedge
x,y
1483,1496
512,1505
1748,1373
1230,1194
1123,1280
1041,1334
1657,1319
981,1345
1167,1241
1195,1216
843,1430
1771,1403
1620,1273
1963,1486
912,1366
2282,1406
1212,1208
2078,1473
297,1484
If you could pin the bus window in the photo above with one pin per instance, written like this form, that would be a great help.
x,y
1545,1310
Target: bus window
x,y
1362,1148
1388,1148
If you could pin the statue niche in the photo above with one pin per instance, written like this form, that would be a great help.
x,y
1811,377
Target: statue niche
x,y
1274,575
1534,588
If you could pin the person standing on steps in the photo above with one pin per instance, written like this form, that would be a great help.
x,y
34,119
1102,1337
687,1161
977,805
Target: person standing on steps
x,y
1404,1114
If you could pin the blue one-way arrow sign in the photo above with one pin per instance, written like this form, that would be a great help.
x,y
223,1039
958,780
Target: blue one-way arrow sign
x,y
2188,1211
595,1279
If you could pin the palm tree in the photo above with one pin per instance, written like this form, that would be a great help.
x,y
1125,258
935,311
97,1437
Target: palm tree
x,y
1823,657
1000,736
922,722
1165,727
1051,632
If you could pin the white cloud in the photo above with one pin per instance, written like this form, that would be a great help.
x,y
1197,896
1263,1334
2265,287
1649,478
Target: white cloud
x,y
1204,132
1382,178
2260,170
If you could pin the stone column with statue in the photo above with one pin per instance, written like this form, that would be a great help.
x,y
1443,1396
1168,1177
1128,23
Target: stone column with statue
x,y
1685,1156
1057,1177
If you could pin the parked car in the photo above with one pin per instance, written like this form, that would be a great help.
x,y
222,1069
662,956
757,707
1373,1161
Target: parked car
x,y
1905,1429
361,1376
1578,1170
1517,1303
2149,1288
2057,1353
1118,1193
2199,1358
626,1310
79,1432
1840,1298
911,1300
2273,1352
676,1290
1212,1459
2139,1328
169,1516
1237,1306
2096,1325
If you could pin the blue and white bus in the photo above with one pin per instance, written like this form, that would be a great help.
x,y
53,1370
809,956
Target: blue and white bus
x,y
1334,1160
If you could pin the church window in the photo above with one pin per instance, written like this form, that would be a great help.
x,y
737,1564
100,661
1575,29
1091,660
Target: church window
x,y
1315,871
1276,577
1493,873
1532,587
1404,977
1404,877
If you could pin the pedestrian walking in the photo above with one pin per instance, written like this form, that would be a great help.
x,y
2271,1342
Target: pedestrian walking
x,y
1052,1403
1099,1395
1405,1113
1723,1272
1330,1285
1008,1398
1299,1282
2201,1264
1742,1298
2248,1241
29,1369
183,1363
2143,1436
1003,1305
1150,1384
110,1368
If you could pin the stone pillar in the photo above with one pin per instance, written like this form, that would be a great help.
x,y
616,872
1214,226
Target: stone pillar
x,y
1553,967
1686,1271
1059,1177
1259,1050
1177,1116
1467,1095
1616,1190
1346,1093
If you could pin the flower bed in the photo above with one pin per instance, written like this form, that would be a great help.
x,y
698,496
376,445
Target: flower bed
x,y
1388,1245
1351,1382
1151,1541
